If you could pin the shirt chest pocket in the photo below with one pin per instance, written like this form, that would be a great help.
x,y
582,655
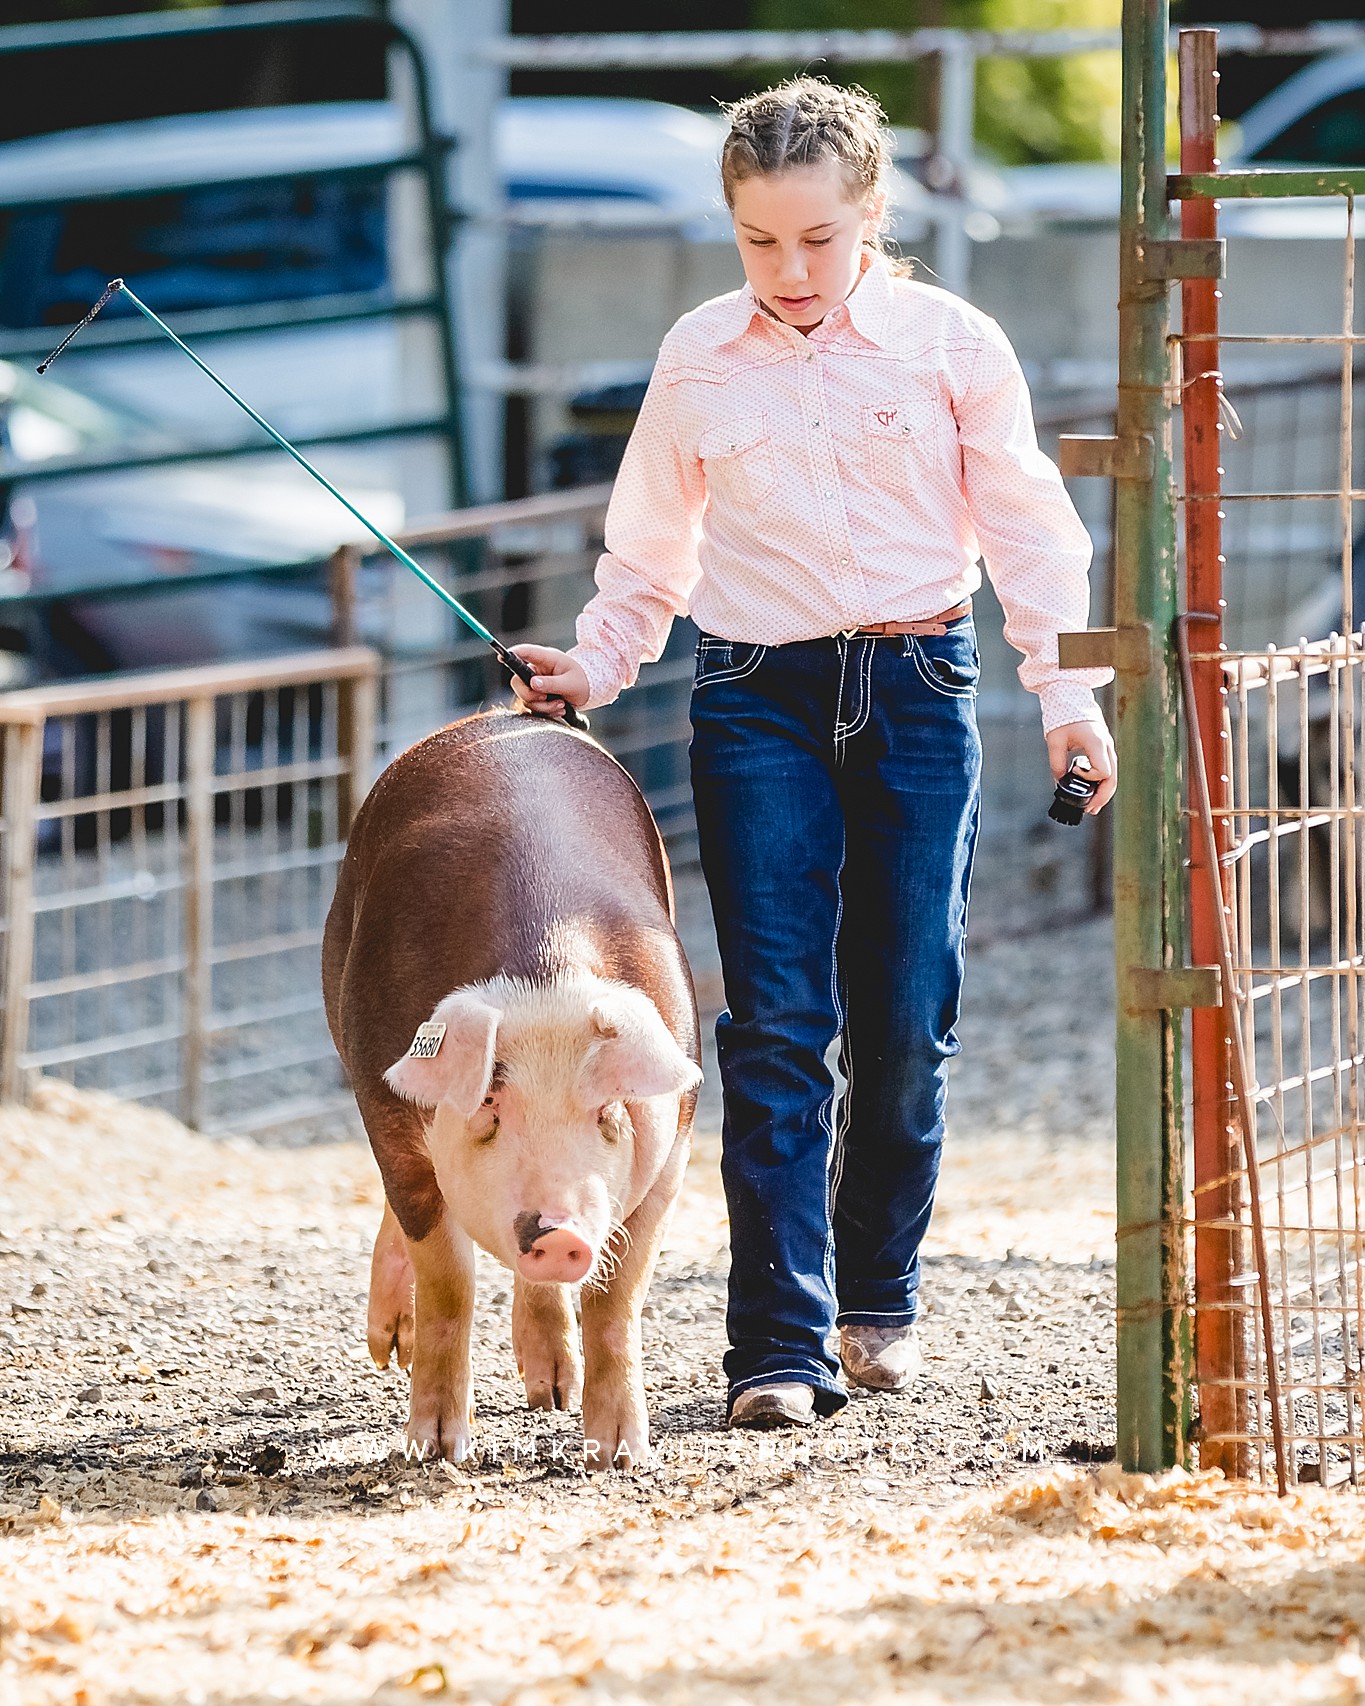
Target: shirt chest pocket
x,y
738,458
905,442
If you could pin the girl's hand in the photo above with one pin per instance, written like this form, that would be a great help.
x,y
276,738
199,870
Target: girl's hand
x,y
1094,740
558,677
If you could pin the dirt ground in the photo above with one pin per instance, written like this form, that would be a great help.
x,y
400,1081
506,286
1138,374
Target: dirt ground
x,y
202,1497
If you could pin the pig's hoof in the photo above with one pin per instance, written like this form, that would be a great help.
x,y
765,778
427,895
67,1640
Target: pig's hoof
x,y
389,1330
433,1434
389,1323
553,1380
613,1443
545,1344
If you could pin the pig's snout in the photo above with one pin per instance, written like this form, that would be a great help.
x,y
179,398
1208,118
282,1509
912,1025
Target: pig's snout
x,y
551,1250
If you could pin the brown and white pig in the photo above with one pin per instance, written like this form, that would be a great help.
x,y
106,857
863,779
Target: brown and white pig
x,y
505,880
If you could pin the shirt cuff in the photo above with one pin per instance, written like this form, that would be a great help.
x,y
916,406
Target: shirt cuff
x,y
1068,702
603,684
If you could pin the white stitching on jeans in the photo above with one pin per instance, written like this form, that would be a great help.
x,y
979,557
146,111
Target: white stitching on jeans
x,y
865,684
710,679
839,725
932,679
806,1375
833,1157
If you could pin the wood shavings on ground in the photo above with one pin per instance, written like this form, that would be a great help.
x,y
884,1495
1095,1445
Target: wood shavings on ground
x,y
201,1499
1065,1585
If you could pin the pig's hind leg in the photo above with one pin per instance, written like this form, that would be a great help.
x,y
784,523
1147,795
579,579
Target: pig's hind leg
x,y
545,1344
392,1287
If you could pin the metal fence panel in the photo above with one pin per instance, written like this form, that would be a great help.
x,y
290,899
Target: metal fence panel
x,y
171,843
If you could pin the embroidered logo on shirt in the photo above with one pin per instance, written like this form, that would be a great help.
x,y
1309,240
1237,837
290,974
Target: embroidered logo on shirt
x,y
886,416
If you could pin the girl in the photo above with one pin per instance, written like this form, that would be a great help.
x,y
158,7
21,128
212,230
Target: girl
x,y
819,461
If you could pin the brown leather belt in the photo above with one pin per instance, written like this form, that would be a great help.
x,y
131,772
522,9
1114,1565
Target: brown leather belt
x,y
930,625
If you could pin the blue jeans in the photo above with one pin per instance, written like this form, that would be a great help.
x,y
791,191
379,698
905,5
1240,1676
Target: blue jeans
x,y
837,784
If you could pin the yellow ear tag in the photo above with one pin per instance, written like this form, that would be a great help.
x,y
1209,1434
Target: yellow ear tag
x,y
427,1043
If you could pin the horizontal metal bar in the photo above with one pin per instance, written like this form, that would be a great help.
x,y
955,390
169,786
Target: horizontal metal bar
x,y
251,319
260,947
154,26
1173,987
69,1053
278,775
694,48
128,799
1085,456
678,49
265,1012
1356,495
71,900
301,859
252,1066
1163,259
60,467
483,519
110,977
172,186
282,1113
170,686
154,586
1327,376
1256,185
1128,649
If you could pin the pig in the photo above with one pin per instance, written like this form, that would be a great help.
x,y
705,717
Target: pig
x,y
505,880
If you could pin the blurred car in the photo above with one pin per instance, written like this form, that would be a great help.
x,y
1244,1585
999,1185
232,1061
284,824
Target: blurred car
x,y
1314,118
288,214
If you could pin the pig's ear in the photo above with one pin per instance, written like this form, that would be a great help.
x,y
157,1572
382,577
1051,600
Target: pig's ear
x,y
460,1068
633,1054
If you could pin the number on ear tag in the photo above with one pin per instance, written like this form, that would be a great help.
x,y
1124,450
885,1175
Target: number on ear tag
x,y
427,1043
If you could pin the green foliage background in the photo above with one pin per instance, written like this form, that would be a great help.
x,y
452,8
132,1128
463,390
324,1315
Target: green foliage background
x,y
1026,110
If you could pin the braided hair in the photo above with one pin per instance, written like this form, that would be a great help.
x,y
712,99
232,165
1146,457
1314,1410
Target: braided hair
x,y
802,122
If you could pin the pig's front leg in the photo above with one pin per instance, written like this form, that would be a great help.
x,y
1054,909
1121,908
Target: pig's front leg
x,y
442,1408
545,1344
390,1322
615,1417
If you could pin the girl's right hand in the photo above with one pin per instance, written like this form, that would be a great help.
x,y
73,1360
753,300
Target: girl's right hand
x,y
558,678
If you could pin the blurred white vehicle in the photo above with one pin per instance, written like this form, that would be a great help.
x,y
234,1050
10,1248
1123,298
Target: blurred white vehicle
x,y
292,247
1314,118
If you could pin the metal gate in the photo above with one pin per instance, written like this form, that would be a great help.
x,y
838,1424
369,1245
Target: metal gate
x,y
1241,1302
168,849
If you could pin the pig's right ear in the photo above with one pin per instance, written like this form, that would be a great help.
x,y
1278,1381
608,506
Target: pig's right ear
x,y
461,1069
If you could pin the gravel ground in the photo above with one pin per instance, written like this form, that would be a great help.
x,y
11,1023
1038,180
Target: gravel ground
x,y
202,1497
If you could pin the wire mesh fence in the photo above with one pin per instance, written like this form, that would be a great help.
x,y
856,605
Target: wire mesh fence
x,y
171,845
1278,1202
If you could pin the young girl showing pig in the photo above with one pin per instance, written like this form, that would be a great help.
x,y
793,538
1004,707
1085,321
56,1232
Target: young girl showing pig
x,y
820,459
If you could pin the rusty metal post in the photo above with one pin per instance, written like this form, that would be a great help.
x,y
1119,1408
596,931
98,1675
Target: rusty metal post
x,y
342,568
1217,1218
1148,879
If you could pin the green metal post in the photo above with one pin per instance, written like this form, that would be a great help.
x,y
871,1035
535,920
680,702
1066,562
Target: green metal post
x,y
1152,1376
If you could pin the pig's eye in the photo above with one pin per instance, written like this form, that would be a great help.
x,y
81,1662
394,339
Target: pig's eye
x,y
490,1134
608,1122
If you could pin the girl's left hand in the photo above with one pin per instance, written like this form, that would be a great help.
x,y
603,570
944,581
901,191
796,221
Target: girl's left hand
x,y
1094,740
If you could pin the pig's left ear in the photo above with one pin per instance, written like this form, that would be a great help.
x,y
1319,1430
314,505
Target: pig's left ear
x,y
633,1055
454,1066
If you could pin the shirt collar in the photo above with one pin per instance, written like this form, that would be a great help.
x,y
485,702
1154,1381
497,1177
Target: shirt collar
x,y
867,307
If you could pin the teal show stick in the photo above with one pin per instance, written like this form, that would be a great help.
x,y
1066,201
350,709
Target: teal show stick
x,y
507,657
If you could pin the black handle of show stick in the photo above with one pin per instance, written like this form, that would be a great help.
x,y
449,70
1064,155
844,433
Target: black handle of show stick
x,y
523,672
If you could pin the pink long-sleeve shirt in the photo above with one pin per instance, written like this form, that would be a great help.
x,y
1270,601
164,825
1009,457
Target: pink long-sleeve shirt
x,y
781,486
